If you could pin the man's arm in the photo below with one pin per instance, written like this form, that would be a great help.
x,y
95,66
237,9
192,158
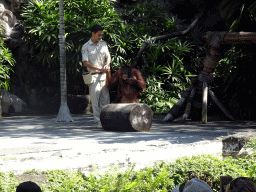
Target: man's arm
x,y
87,64
85,58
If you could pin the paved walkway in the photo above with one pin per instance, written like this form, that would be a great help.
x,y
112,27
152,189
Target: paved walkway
x,y
38,142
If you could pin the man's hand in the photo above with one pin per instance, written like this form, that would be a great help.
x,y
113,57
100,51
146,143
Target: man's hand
x,y
103,70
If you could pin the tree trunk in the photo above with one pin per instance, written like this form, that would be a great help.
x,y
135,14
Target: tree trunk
x,y
0,105
204,104
64,113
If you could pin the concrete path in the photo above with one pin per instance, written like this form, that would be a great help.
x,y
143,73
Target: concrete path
x,y
38,142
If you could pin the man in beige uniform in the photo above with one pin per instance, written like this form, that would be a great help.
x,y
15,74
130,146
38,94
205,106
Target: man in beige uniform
x,y
96,58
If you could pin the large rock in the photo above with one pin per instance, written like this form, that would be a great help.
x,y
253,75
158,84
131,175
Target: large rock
x,y
11,103
40,103
234,146
245,152
77,103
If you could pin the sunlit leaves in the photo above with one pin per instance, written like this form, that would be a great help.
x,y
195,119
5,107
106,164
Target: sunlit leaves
x,y
41,19
6,63
232,11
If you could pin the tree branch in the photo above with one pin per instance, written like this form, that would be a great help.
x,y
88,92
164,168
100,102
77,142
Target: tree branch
x,y
168,36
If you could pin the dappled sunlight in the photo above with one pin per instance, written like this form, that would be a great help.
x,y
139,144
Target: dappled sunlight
x,y
83,129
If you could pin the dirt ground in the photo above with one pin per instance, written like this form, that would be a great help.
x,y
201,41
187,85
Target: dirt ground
x,y
39,178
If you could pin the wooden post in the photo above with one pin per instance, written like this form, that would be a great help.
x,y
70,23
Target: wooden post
x,y
188,108
173,113
225,111
204,104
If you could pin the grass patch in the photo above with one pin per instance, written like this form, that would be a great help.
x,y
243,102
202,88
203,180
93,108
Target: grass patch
x,y
160,177
32,171
251,143
8,158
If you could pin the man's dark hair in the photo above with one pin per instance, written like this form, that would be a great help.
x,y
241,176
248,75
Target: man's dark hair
x,y
28,186
181,188
96,28
241,184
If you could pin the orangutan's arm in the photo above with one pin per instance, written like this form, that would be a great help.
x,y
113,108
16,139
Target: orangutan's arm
x,y
114,77
137,80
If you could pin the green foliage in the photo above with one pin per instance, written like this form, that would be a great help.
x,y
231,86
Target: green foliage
x,y
251,143
149,18
236,77
124,34
7,182
41,19
6,63
158,99
236,13
165,81
159,177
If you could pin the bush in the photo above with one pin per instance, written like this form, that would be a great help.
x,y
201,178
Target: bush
x,y
160,177
124,34
159,100
236,78
6,63
41,21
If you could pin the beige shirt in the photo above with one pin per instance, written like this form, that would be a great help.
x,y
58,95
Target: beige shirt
x,y
97,55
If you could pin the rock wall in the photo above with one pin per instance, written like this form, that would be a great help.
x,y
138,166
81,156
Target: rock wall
x,y
15,41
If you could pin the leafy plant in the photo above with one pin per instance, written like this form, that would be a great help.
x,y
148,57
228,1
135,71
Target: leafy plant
x,y
6,63
41,21
236,78
165,81
159,177
251,143
239,15
159,100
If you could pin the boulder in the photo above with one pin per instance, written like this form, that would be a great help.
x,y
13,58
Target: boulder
x,y
11,103
234,146
245,152
77,103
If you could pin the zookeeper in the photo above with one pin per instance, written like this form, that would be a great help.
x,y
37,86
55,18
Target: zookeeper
x,y
96,57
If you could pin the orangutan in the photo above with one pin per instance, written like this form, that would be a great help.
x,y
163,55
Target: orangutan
x,y
130,83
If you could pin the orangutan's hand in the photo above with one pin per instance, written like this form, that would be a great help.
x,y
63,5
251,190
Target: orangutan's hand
x,y
131,80
125,76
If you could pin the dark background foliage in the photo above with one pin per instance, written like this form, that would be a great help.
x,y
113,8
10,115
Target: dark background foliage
x,y
166,65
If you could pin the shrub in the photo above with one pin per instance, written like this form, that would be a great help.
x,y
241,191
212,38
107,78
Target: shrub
x,y
41,21
6,63
236,79
159,177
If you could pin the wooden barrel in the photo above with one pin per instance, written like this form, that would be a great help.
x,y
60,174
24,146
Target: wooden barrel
x,y
126,117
